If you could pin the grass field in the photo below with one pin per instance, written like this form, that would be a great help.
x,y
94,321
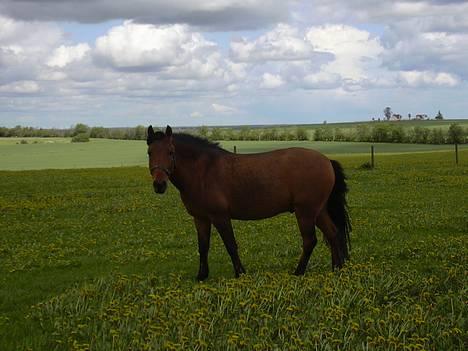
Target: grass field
x,y
60,153
93,259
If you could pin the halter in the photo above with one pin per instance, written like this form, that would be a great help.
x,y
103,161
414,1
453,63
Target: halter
x,y
164,169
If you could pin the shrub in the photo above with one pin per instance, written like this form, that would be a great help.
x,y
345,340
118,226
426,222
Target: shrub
x,y
455,134
80,138
23,141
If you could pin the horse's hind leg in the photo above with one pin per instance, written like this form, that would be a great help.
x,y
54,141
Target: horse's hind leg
x,y
306,222
329,230
204,232
224,228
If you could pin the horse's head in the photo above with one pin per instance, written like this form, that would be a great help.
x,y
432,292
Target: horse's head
x,y
161,154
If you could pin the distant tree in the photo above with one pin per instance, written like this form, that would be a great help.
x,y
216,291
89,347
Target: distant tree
x,y
80,128
439,116
244,133
80,138
339,135
437,136
140,132
301,134
409,115
420,135
323,134
97,132
380,133
216,134
270,134
203,131
387,112
455,134
397,134
362,133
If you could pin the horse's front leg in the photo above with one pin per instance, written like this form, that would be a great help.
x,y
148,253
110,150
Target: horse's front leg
x,y
204,232
224,228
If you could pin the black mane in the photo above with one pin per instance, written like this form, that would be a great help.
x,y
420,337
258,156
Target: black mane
x,y
197,141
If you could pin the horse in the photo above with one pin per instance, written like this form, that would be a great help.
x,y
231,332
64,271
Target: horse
x,y
217,186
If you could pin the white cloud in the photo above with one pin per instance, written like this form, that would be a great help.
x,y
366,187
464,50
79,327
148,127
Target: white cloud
x,y
64,55
196,114
354,49
271,81
283,43
427,78
20,87
223,108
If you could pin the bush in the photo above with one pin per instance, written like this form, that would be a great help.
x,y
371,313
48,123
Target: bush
x,y
23,141
80,138
455,134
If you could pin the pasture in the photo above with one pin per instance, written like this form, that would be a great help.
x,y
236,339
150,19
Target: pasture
x,y
60,153
93,259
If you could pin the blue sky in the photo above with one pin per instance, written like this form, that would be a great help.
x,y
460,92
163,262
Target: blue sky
x,y
222,62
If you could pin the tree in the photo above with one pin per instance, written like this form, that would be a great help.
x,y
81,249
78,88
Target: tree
x,y
97,132
216,134
140,132
80,128
80,138
387,112
439,116
455,134
203,131
301,134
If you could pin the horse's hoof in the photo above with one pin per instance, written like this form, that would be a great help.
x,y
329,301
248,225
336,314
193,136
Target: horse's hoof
x,y
202,277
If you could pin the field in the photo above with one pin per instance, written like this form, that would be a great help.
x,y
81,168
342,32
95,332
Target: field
x,y
46,153
93,259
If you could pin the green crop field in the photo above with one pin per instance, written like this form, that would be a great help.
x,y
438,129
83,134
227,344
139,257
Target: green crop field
x,y
92,259
53,153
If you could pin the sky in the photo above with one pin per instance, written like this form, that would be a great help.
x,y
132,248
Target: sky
x,y
229,62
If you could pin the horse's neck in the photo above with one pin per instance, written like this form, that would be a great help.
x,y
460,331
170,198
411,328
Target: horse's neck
x,y
190,167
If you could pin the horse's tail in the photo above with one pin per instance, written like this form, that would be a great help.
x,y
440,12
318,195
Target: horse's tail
x,y
338,210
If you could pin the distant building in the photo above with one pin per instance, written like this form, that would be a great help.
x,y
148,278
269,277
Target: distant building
x,y
395,117
420,117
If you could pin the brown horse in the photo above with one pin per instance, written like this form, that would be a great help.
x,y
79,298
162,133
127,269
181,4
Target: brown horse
x,y
217,186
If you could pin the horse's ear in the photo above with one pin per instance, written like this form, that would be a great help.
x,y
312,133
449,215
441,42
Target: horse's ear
x,y
150,135
168,131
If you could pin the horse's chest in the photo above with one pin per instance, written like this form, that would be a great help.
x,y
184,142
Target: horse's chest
x,y
199,206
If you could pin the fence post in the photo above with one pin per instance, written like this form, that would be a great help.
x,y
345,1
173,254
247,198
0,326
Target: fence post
x,y
372,155
235,149
456,153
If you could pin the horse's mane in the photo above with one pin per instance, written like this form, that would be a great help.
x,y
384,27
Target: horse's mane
x,y
198,142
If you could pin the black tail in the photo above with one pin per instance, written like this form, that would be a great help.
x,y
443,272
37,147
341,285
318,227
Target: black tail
x,y
338,209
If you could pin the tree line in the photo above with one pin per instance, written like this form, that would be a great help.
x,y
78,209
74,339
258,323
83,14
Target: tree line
x,y
390,133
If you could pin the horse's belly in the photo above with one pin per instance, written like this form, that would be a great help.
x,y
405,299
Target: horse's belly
x,y
260,209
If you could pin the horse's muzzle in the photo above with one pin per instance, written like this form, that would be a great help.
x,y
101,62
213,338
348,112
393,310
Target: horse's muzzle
x,y
160,188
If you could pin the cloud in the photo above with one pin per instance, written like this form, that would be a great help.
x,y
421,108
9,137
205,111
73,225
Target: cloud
x,y
223,108
208,14
20,87
271,81
283,43
64,55
196,114
427,78
354,50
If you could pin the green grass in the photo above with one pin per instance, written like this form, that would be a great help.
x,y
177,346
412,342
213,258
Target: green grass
x,y
92,258
405,123
60,153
